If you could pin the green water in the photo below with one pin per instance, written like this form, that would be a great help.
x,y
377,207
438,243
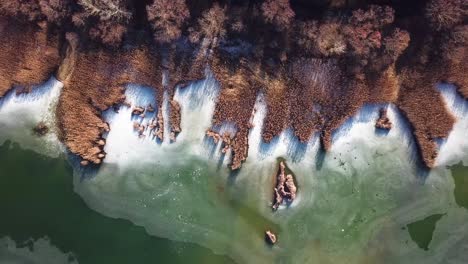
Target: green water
x,y
371,213
37,200
421,231
460,177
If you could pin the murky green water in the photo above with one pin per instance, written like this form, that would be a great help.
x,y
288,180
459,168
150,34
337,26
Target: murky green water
x,y
353,220
460,176
422,231
363,202
37,200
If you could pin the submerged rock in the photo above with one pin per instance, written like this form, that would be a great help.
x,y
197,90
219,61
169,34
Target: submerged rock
x,y
383,122
41,129
150,108
285,187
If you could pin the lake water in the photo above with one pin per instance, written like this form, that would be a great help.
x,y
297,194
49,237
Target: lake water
x,y
366,201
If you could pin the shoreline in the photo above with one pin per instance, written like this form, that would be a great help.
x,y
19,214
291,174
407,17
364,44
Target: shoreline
x,y
94,81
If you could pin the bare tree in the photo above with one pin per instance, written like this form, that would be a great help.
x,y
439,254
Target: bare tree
x,y
330,40
307,33
454,47
364,29
55,11
104,21
166,18
106,9
278,12
108,33
236,19
27,9
397,42
211,26
445,14
376,15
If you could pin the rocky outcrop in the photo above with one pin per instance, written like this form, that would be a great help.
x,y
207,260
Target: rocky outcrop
x,y
279,189
290,187
41,129
285,189
383,122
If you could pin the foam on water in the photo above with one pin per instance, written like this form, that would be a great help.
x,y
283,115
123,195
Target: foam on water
x,y
20,113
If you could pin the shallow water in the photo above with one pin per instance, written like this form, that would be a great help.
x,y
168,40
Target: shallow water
x,y
359,203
